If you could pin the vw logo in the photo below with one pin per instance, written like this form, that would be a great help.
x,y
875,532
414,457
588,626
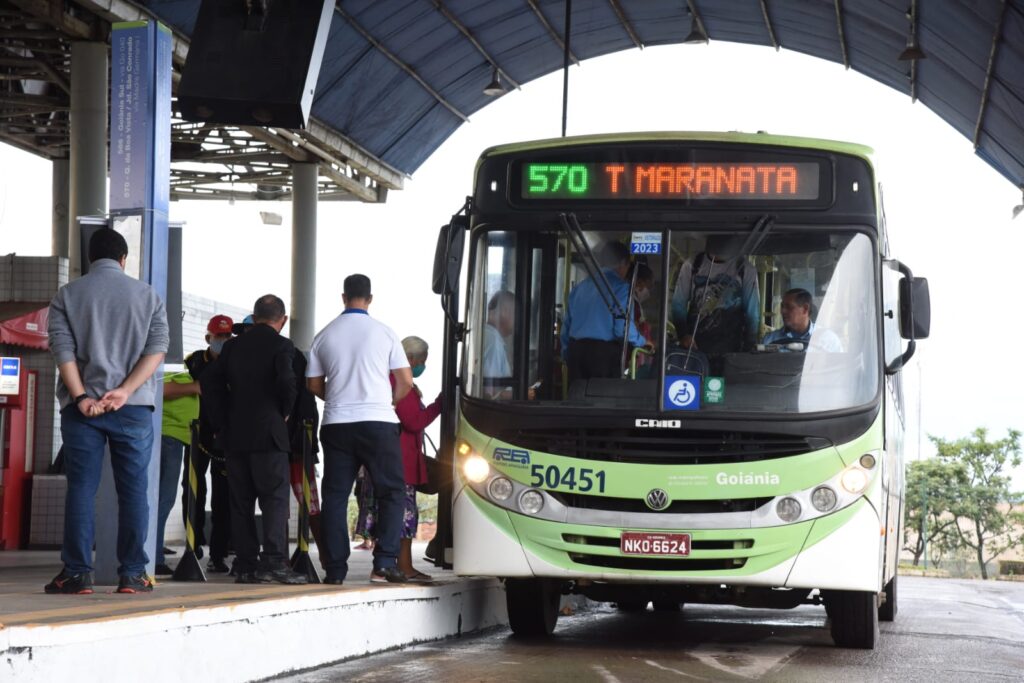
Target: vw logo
x,y
657,499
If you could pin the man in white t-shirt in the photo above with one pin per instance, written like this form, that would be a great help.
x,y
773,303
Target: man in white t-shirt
x,y
349,367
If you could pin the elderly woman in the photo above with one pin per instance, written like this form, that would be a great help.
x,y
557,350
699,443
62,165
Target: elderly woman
x,y
414,418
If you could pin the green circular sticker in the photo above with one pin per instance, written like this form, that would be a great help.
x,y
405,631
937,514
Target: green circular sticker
x,y
714,383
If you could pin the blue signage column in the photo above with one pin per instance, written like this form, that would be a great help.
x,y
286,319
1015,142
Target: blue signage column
x,y
140,157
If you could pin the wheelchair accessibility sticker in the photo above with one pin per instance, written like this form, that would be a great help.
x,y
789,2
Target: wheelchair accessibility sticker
x,y
682,392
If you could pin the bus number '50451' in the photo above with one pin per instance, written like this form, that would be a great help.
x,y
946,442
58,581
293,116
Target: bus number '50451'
x,y
574,479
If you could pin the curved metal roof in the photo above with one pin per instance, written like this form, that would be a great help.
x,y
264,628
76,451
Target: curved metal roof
x,y
399,76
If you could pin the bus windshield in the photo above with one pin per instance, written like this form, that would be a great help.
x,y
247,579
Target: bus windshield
x,y
774,319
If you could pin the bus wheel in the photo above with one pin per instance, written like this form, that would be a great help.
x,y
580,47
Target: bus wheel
x,y
887,612
667,606
532,606
854,618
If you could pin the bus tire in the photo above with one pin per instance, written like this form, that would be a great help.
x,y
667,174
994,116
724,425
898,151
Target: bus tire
x,y
532,606
887,611
854,618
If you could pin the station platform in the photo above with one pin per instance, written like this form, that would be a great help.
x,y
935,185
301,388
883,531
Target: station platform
x,y
220,630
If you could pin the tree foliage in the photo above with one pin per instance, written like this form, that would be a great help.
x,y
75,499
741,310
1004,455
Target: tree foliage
x,y
985,520
932,488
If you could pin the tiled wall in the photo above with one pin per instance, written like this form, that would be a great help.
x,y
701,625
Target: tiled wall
x,y
47,522
31,278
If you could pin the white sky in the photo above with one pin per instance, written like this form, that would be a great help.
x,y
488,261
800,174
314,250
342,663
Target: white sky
x,y
948,211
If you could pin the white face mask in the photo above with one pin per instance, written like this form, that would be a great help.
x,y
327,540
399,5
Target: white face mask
x,y
643,295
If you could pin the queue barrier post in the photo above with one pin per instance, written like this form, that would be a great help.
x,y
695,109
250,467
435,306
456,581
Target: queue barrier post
x,y
301,561
188,568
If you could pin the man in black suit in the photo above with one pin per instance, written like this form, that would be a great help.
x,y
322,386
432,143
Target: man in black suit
x,y
250,391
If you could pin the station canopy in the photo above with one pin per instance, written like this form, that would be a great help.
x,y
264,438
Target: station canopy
x,y
400,76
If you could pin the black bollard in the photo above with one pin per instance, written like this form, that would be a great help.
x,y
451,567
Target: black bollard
x,y
301,562
188,568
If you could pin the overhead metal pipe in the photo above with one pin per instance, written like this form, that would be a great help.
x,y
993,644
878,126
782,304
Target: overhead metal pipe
x,y
565,65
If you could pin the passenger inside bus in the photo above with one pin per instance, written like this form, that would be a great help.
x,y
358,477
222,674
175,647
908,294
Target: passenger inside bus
x,y
642,288
591,335
715,303
798,328
501,320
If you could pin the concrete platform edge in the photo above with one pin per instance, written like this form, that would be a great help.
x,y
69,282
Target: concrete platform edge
x,y
248,641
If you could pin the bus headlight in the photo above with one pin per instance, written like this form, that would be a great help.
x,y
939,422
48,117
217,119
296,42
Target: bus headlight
x,y
867,461
531,502
476,469
788,509
854,480
500,488
824,499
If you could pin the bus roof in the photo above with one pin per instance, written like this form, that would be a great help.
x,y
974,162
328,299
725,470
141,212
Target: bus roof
x,y
850,148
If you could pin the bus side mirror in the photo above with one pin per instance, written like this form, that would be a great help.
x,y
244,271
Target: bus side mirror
x,y
448,255
438,281
915,308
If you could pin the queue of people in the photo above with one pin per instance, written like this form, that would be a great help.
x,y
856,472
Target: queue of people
x,y
252,395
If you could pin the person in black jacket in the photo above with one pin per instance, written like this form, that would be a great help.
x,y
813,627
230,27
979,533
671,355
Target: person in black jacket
x,y
303,411
209,457
250,393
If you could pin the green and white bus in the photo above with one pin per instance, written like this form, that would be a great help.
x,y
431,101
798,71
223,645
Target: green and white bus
x,y
750,473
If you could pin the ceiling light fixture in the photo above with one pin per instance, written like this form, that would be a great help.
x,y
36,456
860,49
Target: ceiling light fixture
x,y
696,36
494,88
697,32
913,51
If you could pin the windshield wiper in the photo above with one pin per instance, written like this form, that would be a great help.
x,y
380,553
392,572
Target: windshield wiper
x,y
762,226
579,244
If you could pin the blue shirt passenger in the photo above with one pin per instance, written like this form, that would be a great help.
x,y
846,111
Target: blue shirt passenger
x,y
587,316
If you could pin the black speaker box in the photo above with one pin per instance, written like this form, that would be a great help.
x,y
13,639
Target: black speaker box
x,y
254,63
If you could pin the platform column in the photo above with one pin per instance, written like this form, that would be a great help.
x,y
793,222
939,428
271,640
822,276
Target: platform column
x,y
87,192
60,225
303,305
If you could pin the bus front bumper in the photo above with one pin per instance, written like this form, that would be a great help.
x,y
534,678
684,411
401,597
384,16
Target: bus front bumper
x,y
841,551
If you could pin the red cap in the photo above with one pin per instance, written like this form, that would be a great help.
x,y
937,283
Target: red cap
x,y
220,324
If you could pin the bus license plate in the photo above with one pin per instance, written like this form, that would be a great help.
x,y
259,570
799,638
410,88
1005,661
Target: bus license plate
x,y
643,543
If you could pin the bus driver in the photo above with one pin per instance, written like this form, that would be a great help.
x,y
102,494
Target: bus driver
x,y
797,325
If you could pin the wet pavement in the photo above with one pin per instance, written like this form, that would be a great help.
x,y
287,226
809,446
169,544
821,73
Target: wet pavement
x,y
946,630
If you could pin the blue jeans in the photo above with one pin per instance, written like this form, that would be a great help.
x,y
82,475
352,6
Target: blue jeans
x,y
346,446
129,434
172,452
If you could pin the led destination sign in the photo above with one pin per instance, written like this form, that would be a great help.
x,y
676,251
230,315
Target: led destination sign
x,y
701,180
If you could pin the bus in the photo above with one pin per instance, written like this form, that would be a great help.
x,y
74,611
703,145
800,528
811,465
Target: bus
x,y
672,375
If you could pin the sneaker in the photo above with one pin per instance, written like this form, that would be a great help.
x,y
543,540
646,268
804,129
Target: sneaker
x,y
163,570
169,551
388,575
217,566
135,584
333,581
70,584
283,575
250,577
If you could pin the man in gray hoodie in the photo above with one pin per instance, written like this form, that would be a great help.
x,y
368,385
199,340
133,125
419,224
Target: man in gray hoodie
x,y
108,335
